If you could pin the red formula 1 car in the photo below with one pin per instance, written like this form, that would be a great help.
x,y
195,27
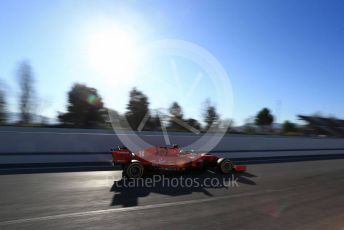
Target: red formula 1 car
x,y
170,159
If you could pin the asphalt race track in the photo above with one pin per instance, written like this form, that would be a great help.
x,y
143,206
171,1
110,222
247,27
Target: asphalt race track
x,y
299,195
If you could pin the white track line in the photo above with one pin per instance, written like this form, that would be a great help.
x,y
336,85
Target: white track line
x,y
136,208
60,167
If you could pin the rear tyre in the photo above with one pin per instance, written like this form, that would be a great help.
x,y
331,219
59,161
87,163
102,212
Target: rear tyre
x,y
225,165
133,170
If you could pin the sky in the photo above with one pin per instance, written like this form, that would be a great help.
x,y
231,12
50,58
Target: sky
x,y
284,55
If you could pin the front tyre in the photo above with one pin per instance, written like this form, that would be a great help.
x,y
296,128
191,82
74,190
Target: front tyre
x,y
134,170
225,165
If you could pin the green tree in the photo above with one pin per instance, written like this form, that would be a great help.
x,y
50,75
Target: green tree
x,y
137,110
85,108
194,123
3,108
289,127
176,122
264,118
155,123
211,117
26,99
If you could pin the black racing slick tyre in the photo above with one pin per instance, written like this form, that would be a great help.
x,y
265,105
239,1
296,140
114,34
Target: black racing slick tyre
x,y
225,165
133,170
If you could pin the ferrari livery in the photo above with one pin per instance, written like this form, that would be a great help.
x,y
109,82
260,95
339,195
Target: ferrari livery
x,y
171,158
